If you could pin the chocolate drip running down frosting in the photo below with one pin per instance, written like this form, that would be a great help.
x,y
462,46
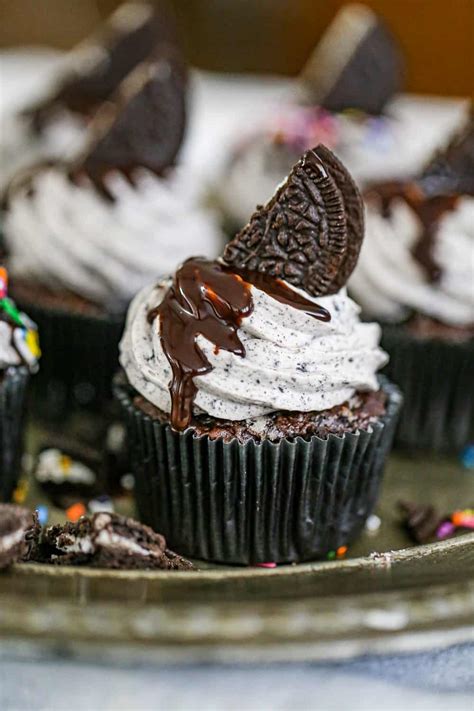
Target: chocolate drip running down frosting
x,y
210,299
428,209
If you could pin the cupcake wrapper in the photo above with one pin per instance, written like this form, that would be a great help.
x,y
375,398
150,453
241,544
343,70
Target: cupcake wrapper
x,y
79,359
255,502
437,381
12,399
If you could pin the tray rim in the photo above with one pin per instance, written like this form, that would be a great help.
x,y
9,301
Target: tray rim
x,y
400,555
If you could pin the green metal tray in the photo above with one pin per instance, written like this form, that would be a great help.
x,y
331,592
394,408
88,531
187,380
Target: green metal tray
x,y
385,596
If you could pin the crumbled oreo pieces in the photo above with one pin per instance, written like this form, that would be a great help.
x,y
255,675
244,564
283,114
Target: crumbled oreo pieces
x,y
108,540
356,65
19,531
143,127
310,232
127,38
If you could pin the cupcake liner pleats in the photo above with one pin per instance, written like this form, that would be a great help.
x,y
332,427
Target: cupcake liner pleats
x,y
12,407
255,502
437,381
79,359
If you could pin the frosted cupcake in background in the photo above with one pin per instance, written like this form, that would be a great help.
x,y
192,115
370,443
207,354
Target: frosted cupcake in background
x,y
345,97
416,275
19,354
55,125
83,236
250,384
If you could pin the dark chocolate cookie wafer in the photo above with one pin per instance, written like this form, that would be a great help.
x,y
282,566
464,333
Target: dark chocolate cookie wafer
x,y
452,170
354,207
310,232
357,64
19,530
128,37
108,540
142,127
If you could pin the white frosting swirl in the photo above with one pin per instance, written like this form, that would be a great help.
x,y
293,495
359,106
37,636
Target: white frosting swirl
x,y
388,282
69,236
62,138
292,361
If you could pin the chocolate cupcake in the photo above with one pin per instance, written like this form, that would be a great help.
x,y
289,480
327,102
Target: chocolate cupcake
x,y
19,353
84,236
345,98
257,425
55,127
416,275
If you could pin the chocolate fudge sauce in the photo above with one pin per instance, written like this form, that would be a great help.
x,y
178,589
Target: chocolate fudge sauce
x,y
210,299
429,211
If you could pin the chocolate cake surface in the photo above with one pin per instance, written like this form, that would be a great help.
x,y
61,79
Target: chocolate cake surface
x,y
358,413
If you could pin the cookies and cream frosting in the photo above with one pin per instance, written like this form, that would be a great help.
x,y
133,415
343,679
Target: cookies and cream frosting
x,y
390,281
292,360
68,236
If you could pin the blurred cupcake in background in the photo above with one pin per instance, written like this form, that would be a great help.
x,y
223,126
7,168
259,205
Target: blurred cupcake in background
x,y
55,125
83,236
258,428
19,354
416,275
344,98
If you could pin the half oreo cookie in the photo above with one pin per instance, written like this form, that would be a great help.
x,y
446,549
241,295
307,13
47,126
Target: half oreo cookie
x,y
142,127
452,170
101,62
356,65
310,233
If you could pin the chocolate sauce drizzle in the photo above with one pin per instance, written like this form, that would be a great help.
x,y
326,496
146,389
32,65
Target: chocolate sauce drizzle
x,y
428,209
211,299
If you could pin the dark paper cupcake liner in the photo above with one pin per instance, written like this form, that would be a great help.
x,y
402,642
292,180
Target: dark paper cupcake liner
x,y
437,381
255,502
79,359
12,400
